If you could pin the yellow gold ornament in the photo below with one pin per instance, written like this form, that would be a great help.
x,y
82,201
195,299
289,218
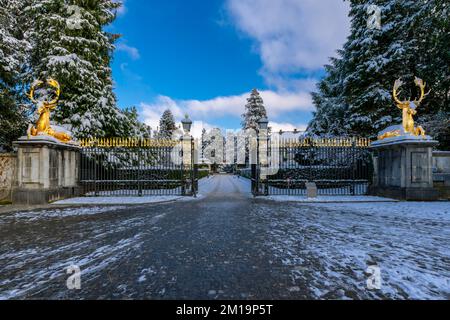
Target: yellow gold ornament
x,y
44,109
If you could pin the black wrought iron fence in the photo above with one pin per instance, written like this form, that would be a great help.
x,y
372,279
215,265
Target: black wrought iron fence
x,y
135,167
338,166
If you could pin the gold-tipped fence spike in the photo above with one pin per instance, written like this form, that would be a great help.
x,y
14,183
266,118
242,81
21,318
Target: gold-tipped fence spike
x,y
132,142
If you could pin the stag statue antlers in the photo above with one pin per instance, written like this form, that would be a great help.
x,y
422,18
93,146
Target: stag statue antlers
x,y
44,108
409,109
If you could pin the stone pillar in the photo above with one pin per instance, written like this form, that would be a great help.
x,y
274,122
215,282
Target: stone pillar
x,y
404,168
263,153
311,190
441,173
253,149
7,175
186,145
47,170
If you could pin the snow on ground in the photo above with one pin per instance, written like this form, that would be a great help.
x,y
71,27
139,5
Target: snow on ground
x,y
206,186
221,184
33,279
31,216
34,267
326,199
330,247
135,193
117,200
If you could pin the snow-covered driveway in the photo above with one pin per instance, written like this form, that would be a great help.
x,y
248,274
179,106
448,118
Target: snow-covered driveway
x,y
229,245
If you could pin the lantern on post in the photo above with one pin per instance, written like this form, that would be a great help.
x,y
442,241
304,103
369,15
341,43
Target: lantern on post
x,y
187,124
263,123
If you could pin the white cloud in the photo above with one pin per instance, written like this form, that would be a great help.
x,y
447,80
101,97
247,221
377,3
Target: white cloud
x,y
286,126
203,112
198,126
151,113
276,104
292,35
131,51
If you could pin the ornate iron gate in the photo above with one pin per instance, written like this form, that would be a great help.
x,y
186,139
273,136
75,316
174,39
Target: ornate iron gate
x,y
136,167
338,166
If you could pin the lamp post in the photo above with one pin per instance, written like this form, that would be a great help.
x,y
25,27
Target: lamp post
x,y
189,165
263,141
263,123
187,124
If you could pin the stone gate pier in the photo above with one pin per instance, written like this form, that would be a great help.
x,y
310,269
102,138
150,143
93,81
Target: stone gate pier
x,y
47,170
404,168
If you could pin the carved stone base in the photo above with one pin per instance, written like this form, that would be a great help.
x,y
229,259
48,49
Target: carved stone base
x,y
403,168
47,170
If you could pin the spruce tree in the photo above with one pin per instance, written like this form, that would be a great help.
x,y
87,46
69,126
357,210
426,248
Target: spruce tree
x,y
356,94
167,125
204,143
13,47
254,111
133,126
329,115
71,46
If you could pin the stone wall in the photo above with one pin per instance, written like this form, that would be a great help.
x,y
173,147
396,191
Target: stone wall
x,y
7,175
441,173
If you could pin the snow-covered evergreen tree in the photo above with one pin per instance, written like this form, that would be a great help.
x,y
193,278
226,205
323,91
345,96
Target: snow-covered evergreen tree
x,y
167,125
13,48
71,46
134,126
355,97
254,111
329,115
204,143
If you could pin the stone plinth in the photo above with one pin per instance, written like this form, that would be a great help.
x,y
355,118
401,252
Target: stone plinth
x,y
404,168
7,175
187,146
441,173
311,189
263,148
47,170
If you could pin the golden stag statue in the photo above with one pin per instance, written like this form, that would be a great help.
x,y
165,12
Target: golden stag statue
x,y
44,108
409,109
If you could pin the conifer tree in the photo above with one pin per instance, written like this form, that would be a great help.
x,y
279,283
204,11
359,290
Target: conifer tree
x,y
355,97
133,126
71,46
13,48
167,125
254,111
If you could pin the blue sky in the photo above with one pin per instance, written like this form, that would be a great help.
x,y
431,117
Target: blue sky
x,y
204,57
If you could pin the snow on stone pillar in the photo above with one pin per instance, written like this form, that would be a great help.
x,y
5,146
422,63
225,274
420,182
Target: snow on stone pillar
x,y
47,170
263,147
404,168
186,144
252,146
263,152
